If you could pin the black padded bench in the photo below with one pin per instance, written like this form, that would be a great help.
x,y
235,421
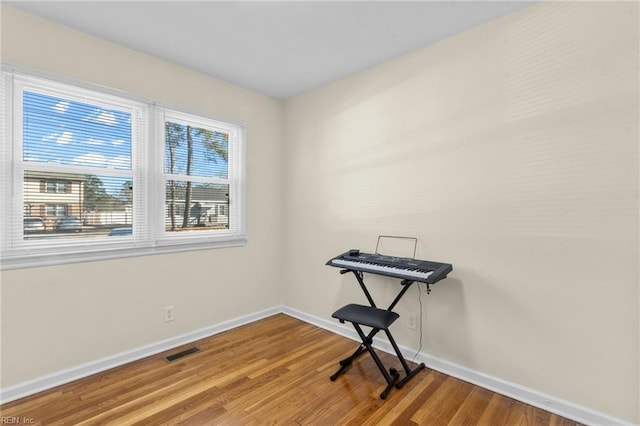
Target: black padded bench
x,y
366,315
377,319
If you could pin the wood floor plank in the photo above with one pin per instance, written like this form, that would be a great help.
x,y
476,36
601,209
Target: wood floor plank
x,y
471,410
502,410
444,403
401,411
272,371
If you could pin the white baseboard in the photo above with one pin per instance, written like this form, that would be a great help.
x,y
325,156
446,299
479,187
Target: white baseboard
x,y
512,390
521,393
49,381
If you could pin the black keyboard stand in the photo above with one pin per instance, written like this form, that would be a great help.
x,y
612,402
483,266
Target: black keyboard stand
x,y
378,320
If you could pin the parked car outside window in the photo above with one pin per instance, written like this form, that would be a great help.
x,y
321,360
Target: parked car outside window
x,y
121,231
68,223
34,224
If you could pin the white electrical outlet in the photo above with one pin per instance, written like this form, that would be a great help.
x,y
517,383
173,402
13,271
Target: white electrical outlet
x,y
412,320
168,313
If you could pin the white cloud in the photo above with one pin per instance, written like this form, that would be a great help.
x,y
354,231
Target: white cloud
x,y
103,117
50,137
61,106
91,159
61,138
107,118
92,141
117,141
120,163
64,138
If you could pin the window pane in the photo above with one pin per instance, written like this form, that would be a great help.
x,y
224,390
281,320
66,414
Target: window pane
x,y
208,206
63,131
195,151
80,206
56,186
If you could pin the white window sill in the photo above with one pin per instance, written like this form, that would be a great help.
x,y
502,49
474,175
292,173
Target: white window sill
x,y
34,260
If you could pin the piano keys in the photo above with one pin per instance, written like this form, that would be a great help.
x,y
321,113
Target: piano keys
x,y
405,268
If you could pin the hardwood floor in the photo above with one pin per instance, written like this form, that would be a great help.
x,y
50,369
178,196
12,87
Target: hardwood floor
x,y
274,371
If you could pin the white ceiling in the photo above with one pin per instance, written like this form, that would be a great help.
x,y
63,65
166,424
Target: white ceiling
x,y
277,48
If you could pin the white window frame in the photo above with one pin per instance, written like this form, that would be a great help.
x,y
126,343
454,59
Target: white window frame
x,y
149,235
234,178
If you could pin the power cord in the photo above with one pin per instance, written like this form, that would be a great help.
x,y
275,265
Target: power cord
x,y
420,328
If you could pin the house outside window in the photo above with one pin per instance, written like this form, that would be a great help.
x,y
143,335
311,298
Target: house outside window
x,y
51,195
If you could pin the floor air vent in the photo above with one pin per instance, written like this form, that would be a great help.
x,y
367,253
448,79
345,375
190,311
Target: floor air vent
x,y
182,354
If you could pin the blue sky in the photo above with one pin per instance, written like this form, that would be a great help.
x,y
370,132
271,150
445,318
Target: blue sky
x,y
62,131
73,133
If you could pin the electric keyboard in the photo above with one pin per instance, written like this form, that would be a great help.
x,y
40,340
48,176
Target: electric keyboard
x,y
399,267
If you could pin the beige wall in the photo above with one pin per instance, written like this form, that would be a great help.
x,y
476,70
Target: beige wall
x,y
59,317
510,151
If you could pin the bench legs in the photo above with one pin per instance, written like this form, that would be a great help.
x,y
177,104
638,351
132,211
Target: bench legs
x,y
392,376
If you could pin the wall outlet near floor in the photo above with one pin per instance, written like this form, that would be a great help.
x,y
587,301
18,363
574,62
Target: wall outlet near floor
x,y
412,320
168,313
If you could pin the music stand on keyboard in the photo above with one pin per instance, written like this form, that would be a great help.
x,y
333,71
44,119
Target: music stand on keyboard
x,y
397,239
